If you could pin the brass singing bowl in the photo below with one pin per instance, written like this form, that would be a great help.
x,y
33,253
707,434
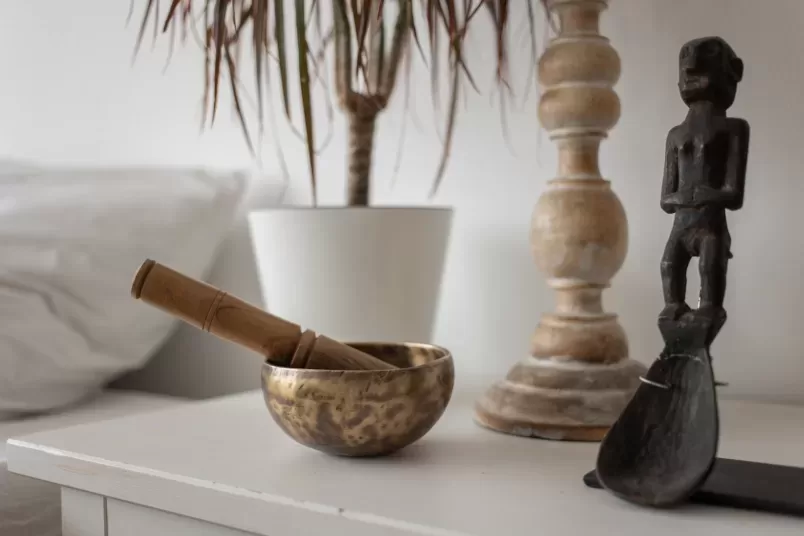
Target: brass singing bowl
x,y
362,412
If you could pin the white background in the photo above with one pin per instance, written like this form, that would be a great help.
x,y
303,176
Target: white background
x,y
69,93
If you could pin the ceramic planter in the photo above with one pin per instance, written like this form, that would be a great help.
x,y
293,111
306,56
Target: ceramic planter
x,y
353,273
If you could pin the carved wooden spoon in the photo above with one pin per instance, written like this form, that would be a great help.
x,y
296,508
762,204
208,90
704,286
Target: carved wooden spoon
x,y
663,446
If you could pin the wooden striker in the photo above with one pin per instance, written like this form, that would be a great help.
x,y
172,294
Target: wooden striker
x,y
207,308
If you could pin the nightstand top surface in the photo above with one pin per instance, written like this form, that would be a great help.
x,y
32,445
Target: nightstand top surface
x,y
224,461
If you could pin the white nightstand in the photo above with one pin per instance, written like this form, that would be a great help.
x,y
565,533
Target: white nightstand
x,y
223,468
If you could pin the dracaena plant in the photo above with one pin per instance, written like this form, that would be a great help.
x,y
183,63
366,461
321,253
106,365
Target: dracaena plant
x,y
371,40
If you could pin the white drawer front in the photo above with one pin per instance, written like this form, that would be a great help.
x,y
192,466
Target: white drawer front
x,y
126,519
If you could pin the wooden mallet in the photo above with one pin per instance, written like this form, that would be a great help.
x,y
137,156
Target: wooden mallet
x,y
283,343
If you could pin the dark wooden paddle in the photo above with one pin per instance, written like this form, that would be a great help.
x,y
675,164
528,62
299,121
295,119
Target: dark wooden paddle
x,y
664,444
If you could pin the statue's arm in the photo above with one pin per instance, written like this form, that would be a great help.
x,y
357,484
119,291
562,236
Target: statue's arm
x,y
737,163
670,179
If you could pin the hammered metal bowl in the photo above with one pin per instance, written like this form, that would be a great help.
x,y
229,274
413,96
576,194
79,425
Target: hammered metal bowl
x,y
362,412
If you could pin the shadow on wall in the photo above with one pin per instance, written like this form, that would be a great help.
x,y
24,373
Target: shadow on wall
x,y
488,322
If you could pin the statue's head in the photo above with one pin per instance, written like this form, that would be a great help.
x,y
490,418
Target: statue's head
x,y
709,70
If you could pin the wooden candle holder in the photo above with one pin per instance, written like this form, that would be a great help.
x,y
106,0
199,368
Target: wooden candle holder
x,y
578,378
283,343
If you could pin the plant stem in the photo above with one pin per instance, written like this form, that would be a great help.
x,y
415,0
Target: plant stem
x,y
361,144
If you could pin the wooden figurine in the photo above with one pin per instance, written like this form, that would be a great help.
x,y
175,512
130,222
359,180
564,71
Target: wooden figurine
x,y
663,446
704,175
205,307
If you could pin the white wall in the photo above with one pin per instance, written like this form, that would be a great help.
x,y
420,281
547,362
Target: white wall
x,y
69,93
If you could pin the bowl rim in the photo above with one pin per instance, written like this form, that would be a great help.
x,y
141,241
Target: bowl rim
x,y
446,357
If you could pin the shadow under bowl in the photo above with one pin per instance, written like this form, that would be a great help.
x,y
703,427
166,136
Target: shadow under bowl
x,y
362,412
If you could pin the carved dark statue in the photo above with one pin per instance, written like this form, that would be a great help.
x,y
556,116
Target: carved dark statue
x,y
663,446
704,174
662,450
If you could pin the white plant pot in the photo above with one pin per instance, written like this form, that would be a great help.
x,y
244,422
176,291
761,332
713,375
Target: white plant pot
x,y
353,273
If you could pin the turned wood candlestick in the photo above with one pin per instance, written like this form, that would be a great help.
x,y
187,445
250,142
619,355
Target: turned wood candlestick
x,y
578,378
283,343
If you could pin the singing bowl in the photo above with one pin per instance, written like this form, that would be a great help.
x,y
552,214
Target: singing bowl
x,y
362,412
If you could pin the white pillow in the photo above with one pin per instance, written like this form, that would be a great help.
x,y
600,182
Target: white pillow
x,y
70,242
195,364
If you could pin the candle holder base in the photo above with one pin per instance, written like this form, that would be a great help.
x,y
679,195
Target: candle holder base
x,y
559,399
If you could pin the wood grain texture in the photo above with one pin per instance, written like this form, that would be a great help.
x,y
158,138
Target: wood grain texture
x,y
230,318
578,378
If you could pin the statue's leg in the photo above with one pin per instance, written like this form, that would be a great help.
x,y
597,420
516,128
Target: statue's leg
x,y
712,266
675,261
